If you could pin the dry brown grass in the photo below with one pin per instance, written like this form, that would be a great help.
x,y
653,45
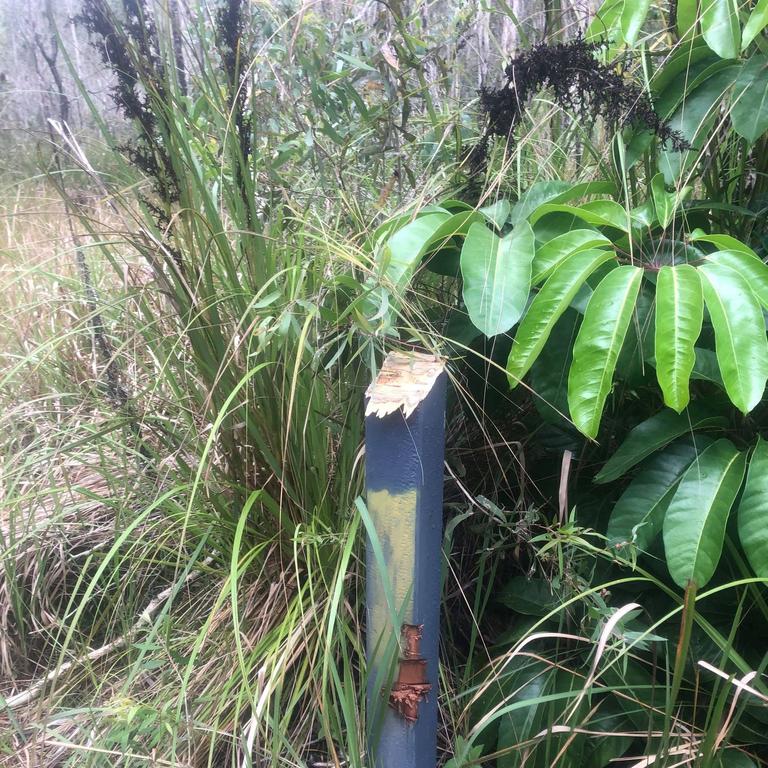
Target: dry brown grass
x,y
59,486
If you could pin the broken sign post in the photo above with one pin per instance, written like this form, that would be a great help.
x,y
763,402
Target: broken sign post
x,y
404,450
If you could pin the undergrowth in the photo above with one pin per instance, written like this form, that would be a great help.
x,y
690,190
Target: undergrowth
x,y
181,566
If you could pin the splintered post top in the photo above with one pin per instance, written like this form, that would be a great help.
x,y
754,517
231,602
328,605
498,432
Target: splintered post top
x,y
405,379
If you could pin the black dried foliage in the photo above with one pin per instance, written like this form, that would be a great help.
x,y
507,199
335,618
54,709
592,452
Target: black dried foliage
x,y
579,83
230,28
130,49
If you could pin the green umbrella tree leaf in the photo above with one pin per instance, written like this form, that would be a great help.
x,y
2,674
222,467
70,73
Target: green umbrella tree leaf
x,y
497,276
598,344
679,314
694,525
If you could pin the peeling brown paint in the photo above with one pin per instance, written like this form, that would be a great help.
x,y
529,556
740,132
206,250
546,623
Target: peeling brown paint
x,y
411,686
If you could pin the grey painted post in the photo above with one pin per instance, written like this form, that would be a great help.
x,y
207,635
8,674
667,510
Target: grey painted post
x,y
404,449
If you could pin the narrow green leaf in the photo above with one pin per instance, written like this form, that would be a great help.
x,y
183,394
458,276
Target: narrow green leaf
x,y
752,269
749,111
638,515
550,302
720,27
556,250
355,62
740,343
632,18
694,526
497,276
753,511
755,24
686,17
598,345
654,433
666,203
679,314
528,687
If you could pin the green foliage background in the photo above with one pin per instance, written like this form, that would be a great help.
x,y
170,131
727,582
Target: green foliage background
x,y
286,201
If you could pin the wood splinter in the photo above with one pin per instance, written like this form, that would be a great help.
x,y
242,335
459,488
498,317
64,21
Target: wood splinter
x,y
411,686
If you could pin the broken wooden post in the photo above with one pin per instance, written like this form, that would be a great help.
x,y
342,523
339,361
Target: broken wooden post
x,y
404,450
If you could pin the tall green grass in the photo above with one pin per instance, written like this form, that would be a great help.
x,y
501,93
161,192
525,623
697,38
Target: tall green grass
x,y
179,548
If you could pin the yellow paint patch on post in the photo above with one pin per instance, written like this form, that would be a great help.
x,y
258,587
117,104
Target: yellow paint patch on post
x,y
394,516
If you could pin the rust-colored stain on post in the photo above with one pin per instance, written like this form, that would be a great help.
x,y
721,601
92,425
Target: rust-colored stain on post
x,y
411,686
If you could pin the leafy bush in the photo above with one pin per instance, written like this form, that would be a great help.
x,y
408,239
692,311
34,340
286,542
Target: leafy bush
x,y
599,287
637,318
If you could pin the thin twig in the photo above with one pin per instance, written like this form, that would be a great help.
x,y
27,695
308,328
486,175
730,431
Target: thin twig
x,y
30,694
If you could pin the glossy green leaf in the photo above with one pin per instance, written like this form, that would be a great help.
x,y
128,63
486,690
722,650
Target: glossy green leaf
x,y
653,434
559,248
753,511
644,215
599,213
389,227
531,597
548,305
607,19
686,17
638,345
497,276
756,23
598,345
497,212
455,224
740,342
666,203
452,205
632,18
638,515
556,192
549,374
694,118
706,368
694,526
722,242
734,758
720,27
679,314
752,269
683,62
442,252
749,111
403,251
